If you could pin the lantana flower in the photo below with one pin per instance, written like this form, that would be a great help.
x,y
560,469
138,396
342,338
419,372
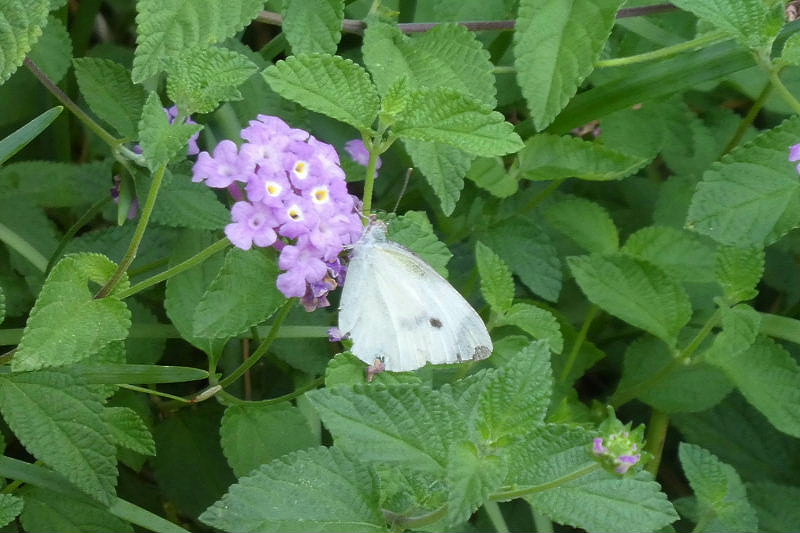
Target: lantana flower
x,y
619,448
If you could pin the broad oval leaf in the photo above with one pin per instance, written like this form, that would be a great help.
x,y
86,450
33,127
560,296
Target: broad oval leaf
x,y
22,22
313,25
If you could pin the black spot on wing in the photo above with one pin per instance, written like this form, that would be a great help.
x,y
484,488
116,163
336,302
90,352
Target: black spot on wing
x,y
435,322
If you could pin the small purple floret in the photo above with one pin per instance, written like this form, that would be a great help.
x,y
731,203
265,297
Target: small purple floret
x,y
358,151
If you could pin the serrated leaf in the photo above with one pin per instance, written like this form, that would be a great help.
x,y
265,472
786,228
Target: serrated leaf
x,y
751,197
47,510
791,50
635,291
769,377
313,26
67,185
253,435
443,166
549,452
21,23
184,204
402,424
414,230
527,250
751,21
345,369
327,84
515,398
60,422
686,388
497,284
555,50
129,430
537,322
201,78
67,324
550,157
52,53
450,117
491,175
242,295
317,490
585,222
602,501
740,327
166,28
10,507
110,93
449,56
739,270
160,140
720,493
471,476
682,255
775,506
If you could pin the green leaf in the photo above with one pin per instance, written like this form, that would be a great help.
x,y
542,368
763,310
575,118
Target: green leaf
x,y
327,84
752,196
109,373
490,174
447,56
345,369
740,327
497,284
549,452
537,322
516,397
775,506
242,295
67,185
720,493
443,166
681,254
739,270
10,507
317,490
526,249
769,377
751,21
555,50
791,50
107,87
253,435
471,476
47,510
450,117
201,78
21,23
60,422
167,28
686,388
402,424
67,324
185,204
52,53
313,25
414,230
551,157
635,291
128,430
17,140
162,141
585,222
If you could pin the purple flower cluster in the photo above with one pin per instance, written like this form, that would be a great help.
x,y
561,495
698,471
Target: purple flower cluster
x,y
618,450
296,201
794,154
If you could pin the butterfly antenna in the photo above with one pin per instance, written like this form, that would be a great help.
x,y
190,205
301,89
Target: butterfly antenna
x,y
403,190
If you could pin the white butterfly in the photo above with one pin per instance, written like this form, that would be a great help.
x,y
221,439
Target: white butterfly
x,y
399,311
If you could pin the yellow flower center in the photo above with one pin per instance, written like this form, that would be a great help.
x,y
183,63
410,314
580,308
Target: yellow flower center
x,y
301,169
320,195
295,213
273,189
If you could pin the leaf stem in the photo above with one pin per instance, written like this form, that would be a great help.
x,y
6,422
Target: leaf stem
x,y
541,523
749,118
153,392
656,435
193,261
62,97
138,235
496,516
369,180
75,228
578,343
526,491
707,39
23,247
262,349
788,97
230,398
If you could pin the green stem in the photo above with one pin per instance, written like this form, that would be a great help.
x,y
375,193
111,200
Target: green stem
x,y
262,349
153,392
369,181
402,523
311,385
699,42
193,261
579,340
23,247
138,235
75,228
788,97
62,97
656,435
496,516
504,70
541,522
749,118
512,494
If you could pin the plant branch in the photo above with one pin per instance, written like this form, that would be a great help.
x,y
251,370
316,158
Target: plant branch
x,y
578,343
786,94
23,247
668,51
656,436
749,118
75,228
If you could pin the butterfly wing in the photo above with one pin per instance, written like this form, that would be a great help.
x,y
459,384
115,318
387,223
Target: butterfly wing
x,y
398,308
